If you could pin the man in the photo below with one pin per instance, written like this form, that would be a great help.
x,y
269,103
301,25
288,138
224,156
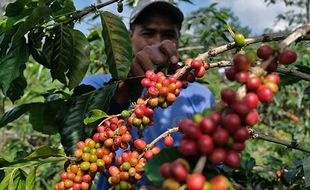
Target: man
x,y
155,31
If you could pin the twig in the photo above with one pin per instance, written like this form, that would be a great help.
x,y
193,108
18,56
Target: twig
x,y
88,10
221,49
295,73
290,144
190,48
221,64
163,135
200,164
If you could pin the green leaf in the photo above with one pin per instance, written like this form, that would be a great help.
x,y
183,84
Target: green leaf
x,y
43,116
14,180
13,114
73,128
152,168
11,63
18,85
303,69
79,61
31,180
64,54
33,19
307,90
117,45
94,115
306,168
14,9
44,152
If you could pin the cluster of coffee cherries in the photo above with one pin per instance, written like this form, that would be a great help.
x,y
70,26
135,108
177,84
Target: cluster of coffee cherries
x,y
95,154
177,173
285,57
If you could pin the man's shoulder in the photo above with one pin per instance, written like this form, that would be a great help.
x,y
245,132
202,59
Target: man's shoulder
x,y
96,80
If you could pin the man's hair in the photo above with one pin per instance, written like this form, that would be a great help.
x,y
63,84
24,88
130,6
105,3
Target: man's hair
x,y
148,13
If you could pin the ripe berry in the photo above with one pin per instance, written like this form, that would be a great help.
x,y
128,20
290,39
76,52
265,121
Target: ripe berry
x,y
139,144
251,99
219,182
207,125
233,159
200,72
241,135
168,140
178,171
196,64
165,170
252,118
230,73
264,52
205,144
274,78
241,108
242,77
264,94
241,62
217,156
220,136
287,57
228,95
253,83
231,122
195,181
188,147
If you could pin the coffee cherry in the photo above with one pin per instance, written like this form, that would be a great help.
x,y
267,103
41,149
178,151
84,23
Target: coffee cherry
x,y
287,57
196,64
171,184
241,108
264,52
242,77
274,78
220,137
272,66
264,94
205,144
188,147
165,170
251,99
241,135
219,182
239,147
253,83
228,95
84,166
239,39
231,122
252,118
233,159
195,181
274,87
207,125
230,73
168,140
178,171
241,63
139,144
217,156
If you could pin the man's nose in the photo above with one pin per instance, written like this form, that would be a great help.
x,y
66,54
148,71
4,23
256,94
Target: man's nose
x,y
157,39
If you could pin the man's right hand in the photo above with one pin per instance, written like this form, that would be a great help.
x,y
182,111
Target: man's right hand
x,y
150,57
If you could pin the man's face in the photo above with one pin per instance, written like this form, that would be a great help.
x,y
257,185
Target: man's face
x,y
154,29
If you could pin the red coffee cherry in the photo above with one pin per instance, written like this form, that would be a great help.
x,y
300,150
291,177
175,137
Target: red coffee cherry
x,y
264,94
195,181
241,62
287,57
264,52
233,159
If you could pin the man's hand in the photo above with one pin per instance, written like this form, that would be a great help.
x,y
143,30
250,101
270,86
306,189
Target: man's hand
x,y
150,57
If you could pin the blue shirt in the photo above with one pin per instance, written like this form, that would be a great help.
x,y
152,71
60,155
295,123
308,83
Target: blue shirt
x,y
195,98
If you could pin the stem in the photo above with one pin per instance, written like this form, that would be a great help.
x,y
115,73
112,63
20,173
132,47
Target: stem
x,y
89,9
290,144
221,49
190,48
200,164
221,64
163,135
295,73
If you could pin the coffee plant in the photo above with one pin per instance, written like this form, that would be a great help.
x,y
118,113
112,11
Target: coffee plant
x,y
211,154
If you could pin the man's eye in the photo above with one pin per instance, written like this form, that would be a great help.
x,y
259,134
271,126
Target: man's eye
x,y
148,33
170,35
